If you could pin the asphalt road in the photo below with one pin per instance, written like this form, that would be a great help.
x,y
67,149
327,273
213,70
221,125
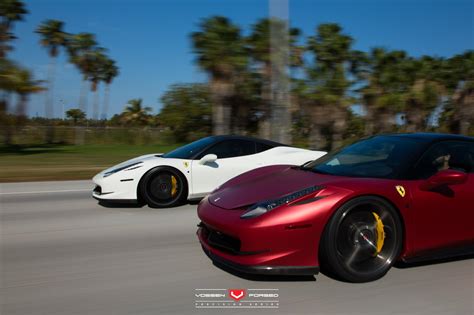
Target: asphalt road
x,y
62,253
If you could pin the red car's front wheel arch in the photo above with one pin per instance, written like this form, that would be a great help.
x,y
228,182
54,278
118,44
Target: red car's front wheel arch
x,y
362,239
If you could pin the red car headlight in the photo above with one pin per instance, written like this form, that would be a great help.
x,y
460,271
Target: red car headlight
x,y
263,207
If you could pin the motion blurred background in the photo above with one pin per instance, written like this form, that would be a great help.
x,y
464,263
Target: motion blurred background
x,y
86,84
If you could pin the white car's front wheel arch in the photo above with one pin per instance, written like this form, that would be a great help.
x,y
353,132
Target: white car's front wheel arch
x,y
162,187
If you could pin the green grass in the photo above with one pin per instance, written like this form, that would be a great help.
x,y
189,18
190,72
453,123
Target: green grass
x,y
63,162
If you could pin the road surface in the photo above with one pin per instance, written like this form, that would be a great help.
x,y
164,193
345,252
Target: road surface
x,y
62,253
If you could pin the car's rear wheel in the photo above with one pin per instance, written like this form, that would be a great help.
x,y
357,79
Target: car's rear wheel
x,y
362,240
164,187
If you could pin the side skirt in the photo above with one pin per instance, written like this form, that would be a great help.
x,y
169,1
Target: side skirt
x,y
447,253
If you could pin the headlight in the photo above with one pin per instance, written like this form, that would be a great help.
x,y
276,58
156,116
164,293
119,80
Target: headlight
x,y
120,169
260,208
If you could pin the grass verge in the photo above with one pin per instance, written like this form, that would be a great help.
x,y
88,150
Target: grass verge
x,y
66,162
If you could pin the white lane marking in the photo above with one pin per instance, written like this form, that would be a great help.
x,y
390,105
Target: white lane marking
x,y
43,192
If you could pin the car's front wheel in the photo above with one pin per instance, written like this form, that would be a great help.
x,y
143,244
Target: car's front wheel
x,y
362,240
163,187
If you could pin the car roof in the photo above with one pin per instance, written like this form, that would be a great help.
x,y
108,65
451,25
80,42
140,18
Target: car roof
x,y
428,137
236,137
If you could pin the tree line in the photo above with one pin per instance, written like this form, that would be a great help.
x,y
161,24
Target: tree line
x,y
336,92
394,91
82,50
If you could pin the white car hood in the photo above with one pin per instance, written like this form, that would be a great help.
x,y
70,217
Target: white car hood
x,y
142,158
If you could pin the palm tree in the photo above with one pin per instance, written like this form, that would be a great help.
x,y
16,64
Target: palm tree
x,y
459,79
24,86
95,63
260,50
7,86
387,77
135,113
425,92
7,68
80,47
109,72
52,38
221,53
14,79
10,11
328,83
75,114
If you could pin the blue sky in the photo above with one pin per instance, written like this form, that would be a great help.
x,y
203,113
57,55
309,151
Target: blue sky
x,y
150,39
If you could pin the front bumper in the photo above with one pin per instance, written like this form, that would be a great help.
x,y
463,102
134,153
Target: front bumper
x,y
258,246
257,269
114,188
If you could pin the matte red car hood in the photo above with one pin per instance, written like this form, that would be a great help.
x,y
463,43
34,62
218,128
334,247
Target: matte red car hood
x,y
265,184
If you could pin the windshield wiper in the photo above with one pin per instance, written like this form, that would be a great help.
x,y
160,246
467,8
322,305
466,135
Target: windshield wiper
x,y
304,166
310,169
301,167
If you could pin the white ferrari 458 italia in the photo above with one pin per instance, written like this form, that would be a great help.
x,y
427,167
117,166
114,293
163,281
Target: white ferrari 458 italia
x,y
191,171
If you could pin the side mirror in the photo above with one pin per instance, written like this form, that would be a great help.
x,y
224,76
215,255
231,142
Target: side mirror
x,y
444,178
208,158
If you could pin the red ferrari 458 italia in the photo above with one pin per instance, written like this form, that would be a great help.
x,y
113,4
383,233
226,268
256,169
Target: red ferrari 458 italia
x,y
353,212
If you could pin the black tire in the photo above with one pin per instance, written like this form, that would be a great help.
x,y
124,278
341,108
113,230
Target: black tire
x,y
352,248
158,190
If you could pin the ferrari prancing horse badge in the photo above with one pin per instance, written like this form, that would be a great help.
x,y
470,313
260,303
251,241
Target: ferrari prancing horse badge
x,y
401,190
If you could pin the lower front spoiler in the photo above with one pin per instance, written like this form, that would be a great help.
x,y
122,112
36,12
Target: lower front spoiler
x,y
263,270
112,203
115,200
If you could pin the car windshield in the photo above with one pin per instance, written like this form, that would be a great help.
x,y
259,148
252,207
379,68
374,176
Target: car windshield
x,y
377,157
189,150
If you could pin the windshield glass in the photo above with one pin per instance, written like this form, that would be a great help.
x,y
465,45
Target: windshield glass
x,y
189,150
378,157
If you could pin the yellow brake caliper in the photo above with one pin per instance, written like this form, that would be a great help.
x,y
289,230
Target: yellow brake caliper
x,y
380,233
174,185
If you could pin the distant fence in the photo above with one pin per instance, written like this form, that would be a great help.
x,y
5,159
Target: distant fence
x,y
91,135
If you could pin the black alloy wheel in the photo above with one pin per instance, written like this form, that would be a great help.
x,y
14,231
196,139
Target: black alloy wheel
x,y
362,240
163,187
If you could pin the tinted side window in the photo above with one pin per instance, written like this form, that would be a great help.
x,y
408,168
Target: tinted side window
x,y
262,147
232,148
456,155
470,155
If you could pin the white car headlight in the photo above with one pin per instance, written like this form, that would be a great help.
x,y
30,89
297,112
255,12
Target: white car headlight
x,y
118,169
